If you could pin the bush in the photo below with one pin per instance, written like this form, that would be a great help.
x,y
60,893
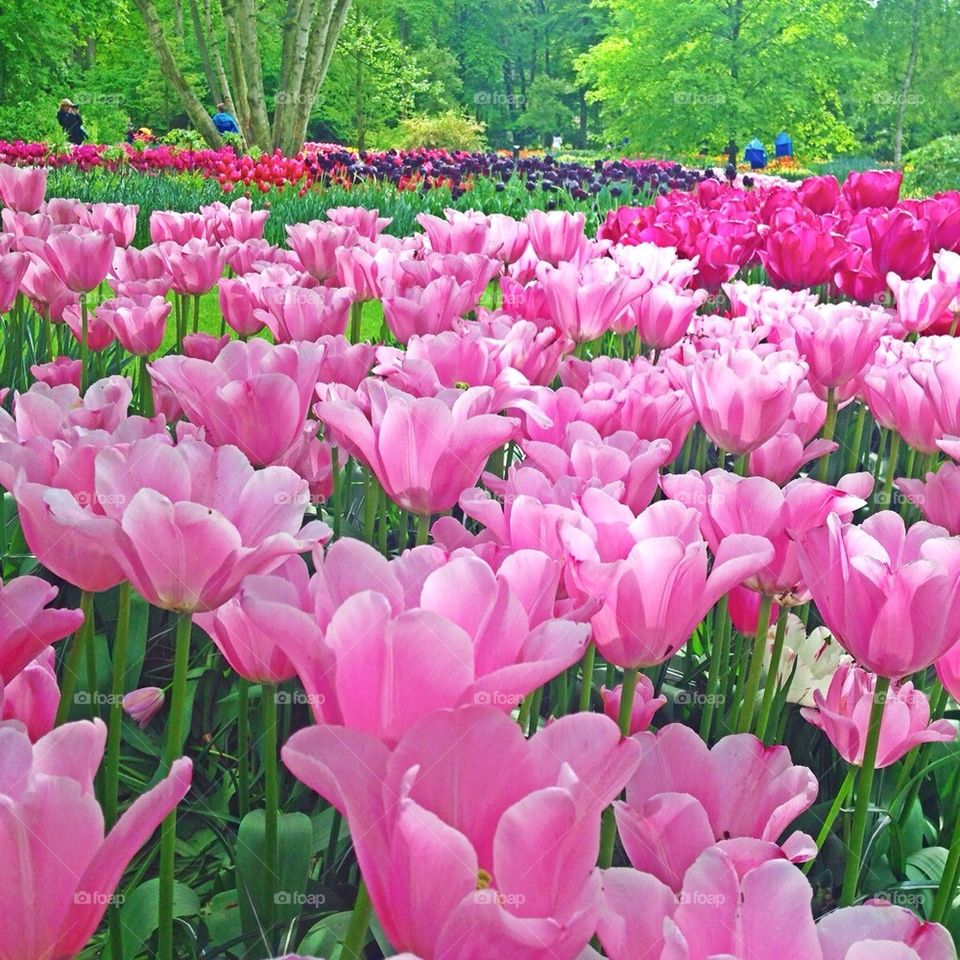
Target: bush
x,y
185,139
933,168
450,130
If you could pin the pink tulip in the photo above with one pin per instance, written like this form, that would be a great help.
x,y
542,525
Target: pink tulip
x,y
194,520
838,341
245,387
424,451
802,255
881,930
195,266
143,704
819,194
366,268
583,303
899,244
32,696
48,294
56,838
844,716
112,219
508,238
204,346
456,232
740,398
645,704
138,323
22,188
13,266
344,362
872,188
239,222
241,306
460,859
179,227
367,223
782,456
429,309
937,497
731,505
683,797
472,268
302,313
58,371
921,302
80,258
557,236
318,245
251,651
485,646
26,626
655,598
940,383
64,210
99,332
663,314
889,595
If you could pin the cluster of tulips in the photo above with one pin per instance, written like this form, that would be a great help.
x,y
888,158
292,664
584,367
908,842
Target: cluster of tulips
x,y
320,163
552,561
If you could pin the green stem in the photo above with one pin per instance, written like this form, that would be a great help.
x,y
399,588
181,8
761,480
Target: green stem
x,y
752,685
853,454
71,666
890,471
271,795
773,673
627,695
196,312
84,348
423,528
832,814
740,465
171,747
948,880
146,388
243,747
356,935
333,838
112,775
371,498
719,645
829,426
858,831
608,838
356,315
586,672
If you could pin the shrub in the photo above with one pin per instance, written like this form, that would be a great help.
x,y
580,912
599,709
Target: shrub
x,y
933,168
451,130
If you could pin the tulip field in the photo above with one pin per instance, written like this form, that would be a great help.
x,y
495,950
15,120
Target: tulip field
x,y
562,579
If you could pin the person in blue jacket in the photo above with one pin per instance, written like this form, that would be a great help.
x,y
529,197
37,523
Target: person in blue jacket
x,y
225,122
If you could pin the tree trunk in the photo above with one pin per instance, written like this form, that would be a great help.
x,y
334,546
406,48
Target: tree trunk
x,y
217,60
237,72
178,18
907,82
171,73
323,38
246,20
296,40
213,84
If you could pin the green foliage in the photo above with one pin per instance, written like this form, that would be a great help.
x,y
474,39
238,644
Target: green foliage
x,y
450,130
933,168
546,112
187,139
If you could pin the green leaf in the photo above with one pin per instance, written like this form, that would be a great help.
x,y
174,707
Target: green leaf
x,y
139,914
295,836
323,937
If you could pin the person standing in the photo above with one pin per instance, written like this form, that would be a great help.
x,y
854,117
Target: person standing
x,y
224,121
68,116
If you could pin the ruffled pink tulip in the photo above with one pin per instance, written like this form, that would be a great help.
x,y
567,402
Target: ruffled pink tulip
x,y
58,371
740,398
432,308
459,859
425,451
889,595
844,716
684,797
657,596
367,223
